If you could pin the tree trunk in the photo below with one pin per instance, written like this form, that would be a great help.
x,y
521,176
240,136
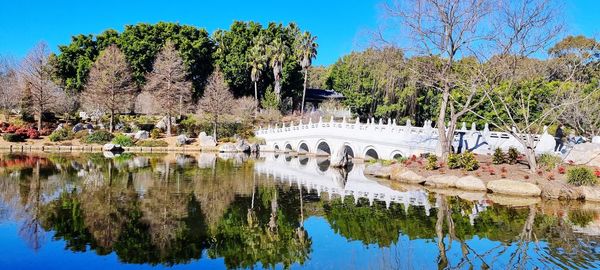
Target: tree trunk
x,y
304,92
112,117
215,128
256,97
168,124
443,138
530,155
278,89
39,121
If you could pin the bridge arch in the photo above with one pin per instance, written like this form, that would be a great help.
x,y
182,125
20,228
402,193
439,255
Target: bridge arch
x,y
349,150
323,148
396,154
288,147
371,153
303,148
276,147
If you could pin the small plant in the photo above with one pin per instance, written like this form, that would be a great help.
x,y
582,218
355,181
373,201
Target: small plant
x,y
99,137
123,140
579,176
498,157
152,143
550,177
597,173
548,161
468,161
431,162
513,155
561,170
12,137
62,134
453,161
155,133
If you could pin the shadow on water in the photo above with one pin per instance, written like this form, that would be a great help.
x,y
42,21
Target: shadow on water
x,y
168,209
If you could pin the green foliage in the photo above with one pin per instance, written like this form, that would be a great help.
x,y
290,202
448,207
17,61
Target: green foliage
x,y
81,134
270,101
123,140
581,176
548,161
152,143
431,162
62,134
155,133
513,155
498,157
98,137
12,137
466,161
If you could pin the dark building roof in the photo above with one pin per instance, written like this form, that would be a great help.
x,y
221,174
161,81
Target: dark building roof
x,y
318,95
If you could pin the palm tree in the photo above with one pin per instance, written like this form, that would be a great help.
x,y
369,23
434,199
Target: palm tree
x,y
277,52
306,49
257,61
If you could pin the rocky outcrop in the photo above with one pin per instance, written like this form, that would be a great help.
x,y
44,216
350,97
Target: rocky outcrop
x,y
206,141
441,181
560,191
408,176
340,158
242,146
514,188
182,140
141,135
470,183
378,170
591,194
109,147
585,154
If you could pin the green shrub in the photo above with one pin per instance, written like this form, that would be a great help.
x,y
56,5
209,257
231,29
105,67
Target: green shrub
x,y
123,140
152,143
513,155
11,137
155,133
99,137
498,157
81,134
581,176
62,134
431,162
270,100
466,161
548,161
401,159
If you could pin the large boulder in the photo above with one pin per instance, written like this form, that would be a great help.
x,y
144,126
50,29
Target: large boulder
x,y
561,191
596,139
585,153
441,181
402,174
141,135
591,194
109,147
78,127
88,126
206,141
340,158
242,146
227,148
378,170
470,183
513,187
163,122
181,140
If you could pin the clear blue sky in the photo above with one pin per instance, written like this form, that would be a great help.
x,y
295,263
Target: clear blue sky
x,y
338,24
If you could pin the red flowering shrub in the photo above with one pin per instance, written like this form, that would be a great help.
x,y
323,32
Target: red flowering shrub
x,y
33,134
561,170
45,131
597,173
413,158
11,129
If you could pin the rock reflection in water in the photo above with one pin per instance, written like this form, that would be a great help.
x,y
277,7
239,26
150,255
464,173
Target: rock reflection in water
x,y
167,209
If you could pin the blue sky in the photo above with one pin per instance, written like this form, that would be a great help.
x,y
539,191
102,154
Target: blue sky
x,y
339,25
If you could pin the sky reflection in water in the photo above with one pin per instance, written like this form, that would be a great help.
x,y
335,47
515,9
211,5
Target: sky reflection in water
x,y
62,211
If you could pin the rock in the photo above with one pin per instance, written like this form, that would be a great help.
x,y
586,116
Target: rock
x,y
556,190
162,123
402,174
119,126
206,141
591,194
254,148
513,200
378,170
88,126
340,159
441,181
77,127
227,148
109,147
596,139
181,140
141,135
515,188
470,183
585,153
59,127
242,146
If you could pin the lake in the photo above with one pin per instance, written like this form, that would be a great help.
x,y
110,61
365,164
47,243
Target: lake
x,y
209,211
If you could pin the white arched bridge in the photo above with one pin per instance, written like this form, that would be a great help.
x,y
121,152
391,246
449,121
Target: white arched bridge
x,y
376,140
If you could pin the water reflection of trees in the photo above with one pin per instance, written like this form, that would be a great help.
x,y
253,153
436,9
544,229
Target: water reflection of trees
x,y
170,209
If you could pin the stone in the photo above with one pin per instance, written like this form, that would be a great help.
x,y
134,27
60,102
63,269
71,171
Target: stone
x,y
162,123
59,127
591,194
441,181
181,140
206,141
515,188
560,191
340,158
77,127
88,126
227,148
596,139
402,174
470,183
584,153
119,126
378,170
109,147
141,135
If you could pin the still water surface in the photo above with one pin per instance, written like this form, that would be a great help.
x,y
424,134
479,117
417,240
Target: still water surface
x,y
60,211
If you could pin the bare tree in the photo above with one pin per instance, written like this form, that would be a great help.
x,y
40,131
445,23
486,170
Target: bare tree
x,y
217,99
109,88
446,31
36,74
10,94
168,82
